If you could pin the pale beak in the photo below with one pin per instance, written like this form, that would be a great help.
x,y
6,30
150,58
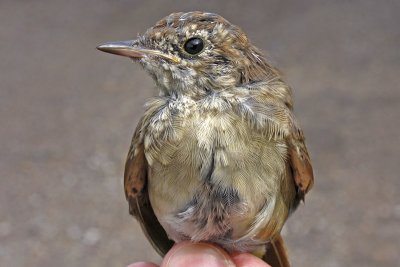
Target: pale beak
x,y
132,50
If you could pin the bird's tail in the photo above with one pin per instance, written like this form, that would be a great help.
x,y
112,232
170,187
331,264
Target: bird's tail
x,y
276,254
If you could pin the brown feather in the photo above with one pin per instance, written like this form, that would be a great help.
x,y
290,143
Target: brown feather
x,y
135,184
276,255
301,164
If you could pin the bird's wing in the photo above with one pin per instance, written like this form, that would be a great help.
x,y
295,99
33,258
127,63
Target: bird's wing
x,y
276,255
135,184
302,173
300,163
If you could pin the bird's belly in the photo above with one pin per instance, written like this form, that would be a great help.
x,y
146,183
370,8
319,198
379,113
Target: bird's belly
x,y
217,182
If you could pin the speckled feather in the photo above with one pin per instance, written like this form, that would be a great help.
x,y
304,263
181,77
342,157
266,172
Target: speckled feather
x,y
218,156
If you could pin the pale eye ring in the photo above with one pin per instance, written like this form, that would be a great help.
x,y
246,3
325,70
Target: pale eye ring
x,y
194,45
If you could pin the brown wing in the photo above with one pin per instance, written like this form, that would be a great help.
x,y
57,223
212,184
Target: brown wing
x,y
135,184
300,163
276,254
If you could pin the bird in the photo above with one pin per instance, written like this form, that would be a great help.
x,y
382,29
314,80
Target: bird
x,y
218,155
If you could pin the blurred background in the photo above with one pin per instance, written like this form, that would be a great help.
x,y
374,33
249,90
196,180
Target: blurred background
x,y
68,111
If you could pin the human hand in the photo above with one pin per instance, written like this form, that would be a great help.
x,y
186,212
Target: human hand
x,y
188,254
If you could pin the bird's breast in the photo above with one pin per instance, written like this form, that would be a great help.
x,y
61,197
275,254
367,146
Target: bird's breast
x,y
210,173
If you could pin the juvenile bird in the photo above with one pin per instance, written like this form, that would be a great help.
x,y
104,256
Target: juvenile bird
x,y
218,156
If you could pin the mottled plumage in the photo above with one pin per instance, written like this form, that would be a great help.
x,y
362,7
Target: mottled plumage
x,y
218,156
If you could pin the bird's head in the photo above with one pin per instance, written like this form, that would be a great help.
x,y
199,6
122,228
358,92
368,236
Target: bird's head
x,y
195,53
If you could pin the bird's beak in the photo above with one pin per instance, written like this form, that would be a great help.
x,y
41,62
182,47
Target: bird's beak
x,y
132,50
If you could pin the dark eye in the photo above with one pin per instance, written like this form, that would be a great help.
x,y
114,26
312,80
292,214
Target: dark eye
x,y
194,45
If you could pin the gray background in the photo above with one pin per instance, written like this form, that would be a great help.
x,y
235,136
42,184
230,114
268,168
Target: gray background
x,y
67,113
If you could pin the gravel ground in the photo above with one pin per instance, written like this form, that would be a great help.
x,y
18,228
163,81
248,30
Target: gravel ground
x,y
68,111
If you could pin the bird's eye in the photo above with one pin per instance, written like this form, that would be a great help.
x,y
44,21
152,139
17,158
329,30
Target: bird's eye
x,y
194,45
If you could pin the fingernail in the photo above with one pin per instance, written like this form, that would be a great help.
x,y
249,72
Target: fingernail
x,y
196,255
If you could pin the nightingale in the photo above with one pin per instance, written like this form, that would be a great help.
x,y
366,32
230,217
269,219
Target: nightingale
x,y
218,155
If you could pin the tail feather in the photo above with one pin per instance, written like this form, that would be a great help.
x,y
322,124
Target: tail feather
x,y
276,254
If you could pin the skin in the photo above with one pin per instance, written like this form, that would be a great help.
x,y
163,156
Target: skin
x,y
203,254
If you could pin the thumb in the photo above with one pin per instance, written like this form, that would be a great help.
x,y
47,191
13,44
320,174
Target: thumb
x,y
248,260
195,255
